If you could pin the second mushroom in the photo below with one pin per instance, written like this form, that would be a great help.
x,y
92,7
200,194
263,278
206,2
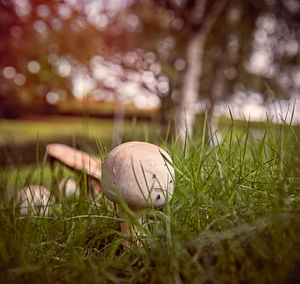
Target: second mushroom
x,y
76,160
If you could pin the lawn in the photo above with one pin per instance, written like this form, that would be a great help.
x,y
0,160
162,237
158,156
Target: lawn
x,y
234,218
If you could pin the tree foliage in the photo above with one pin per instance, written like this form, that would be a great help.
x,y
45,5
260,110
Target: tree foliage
x,y
249,44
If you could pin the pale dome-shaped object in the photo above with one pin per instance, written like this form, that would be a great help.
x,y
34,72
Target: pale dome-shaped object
x,y
68,187
139,173
34,199
75,159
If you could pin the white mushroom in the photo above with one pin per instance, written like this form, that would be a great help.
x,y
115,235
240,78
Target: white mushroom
x,y
34,199
68,187
76,160
138,174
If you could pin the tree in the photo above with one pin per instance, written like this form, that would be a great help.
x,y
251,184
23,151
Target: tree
x,y
261,47
197,18
202,19
185,53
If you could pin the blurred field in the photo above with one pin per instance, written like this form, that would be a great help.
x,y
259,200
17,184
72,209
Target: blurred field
x,y
22,140
51,127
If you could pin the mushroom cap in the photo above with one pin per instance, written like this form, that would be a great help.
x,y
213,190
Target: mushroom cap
x,y
35,199
75,159
137,173
68,187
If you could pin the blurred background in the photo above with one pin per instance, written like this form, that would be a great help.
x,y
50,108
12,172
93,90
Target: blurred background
x,y
88,72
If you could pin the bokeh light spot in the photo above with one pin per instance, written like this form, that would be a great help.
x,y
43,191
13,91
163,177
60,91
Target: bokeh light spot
x,y
64,68
33,66
43,11
52,98
40,27
179,64
9,72
64,11
20,79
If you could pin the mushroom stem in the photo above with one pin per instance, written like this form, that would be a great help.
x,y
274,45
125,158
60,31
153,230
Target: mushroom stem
x,y
90,183
131,229
51,162
96,184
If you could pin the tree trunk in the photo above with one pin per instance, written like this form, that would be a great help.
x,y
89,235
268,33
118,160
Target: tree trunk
x,y
191,78
190,86
118,125
215,93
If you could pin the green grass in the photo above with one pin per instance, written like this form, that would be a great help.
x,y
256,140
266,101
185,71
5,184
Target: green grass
x,y
234,218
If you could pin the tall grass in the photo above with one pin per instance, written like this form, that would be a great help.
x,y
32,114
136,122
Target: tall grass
x,y
234,218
